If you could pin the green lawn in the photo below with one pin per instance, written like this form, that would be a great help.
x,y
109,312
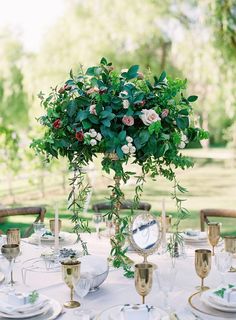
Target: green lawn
x,y
210,185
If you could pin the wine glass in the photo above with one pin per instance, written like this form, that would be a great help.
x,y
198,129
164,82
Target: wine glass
x,y
10,252
52,225
70,274
230,246
213,234
39,229
202,265
97,219
143,279
82,287
4,268
166,280
223,261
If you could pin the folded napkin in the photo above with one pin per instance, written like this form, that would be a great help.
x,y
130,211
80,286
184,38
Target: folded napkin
x,y
93,264
12,303
225,295
138,312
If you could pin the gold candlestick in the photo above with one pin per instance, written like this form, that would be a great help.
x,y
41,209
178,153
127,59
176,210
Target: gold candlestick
x,y
213,235
143,279
202,265
71,274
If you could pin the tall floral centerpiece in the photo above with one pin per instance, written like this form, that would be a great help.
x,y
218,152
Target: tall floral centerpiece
x,y
123,116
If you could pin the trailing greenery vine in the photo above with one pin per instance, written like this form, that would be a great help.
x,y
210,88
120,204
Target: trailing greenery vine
x,y
122,115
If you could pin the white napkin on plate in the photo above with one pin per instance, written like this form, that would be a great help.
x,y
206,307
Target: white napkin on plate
x,y
138,312
14,307
93,264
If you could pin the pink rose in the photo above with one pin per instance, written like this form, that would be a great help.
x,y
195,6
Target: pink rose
x,y
165,113
128,120
92,109
149,116
140,75
92,90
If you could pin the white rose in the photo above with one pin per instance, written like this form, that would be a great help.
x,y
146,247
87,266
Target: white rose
x,y
129,139
149,116
132,149
125,104
181,145
93,133
184,138
92,109
130,145
125,149
93,142
99,137
123,93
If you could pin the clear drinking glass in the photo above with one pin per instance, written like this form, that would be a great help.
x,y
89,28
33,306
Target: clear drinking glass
x,y
5,269
166,280
39,229
97,219
223,261
82,287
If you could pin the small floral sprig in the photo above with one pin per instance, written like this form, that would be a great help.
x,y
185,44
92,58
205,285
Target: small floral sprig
x,y
221,292
33,297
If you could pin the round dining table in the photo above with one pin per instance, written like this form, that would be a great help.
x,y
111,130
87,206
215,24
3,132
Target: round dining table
x,y
117,289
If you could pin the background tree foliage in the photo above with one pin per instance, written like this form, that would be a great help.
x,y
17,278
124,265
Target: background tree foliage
x,y
188,38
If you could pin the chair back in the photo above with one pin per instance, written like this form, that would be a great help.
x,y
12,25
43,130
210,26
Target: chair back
x,y
125,205
205,213
38,211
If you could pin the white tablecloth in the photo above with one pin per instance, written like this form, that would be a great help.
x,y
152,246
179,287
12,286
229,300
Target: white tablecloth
x,y
116,289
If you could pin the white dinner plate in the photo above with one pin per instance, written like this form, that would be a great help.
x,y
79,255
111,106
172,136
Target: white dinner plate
x,y
50,313
26,315
207,298
113,313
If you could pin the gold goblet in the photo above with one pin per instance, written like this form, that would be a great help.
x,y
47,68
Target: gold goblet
x,y
10,252
13,236
203,265
230,246
213,234
71,274
52,225
143,279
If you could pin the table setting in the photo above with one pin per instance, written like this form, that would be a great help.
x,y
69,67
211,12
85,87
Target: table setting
x,y
86,287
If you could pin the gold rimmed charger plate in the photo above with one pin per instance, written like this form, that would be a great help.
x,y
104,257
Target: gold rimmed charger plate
x,y
196,304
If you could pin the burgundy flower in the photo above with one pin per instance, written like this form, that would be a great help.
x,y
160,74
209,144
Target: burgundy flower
x,y
141,103
103,90
61,90
128,120
79,136
67,87
57,124
165,113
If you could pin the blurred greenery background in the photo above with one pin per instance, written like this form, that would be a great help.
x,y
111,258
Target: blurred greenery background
x,y
193,39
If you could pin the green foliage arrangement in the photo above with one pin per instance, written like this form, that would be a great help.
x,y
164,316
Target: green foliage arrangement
x,y
125,116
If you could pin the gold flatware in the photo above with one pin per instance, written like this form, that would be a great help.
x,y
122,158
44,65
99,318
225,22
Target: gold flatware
x,y
213,234
202,265
143,279
10,252
71,274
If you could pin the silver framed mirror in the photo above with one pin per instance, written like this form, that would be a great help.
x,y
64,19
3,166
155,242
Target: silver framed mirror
x,y
145,234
